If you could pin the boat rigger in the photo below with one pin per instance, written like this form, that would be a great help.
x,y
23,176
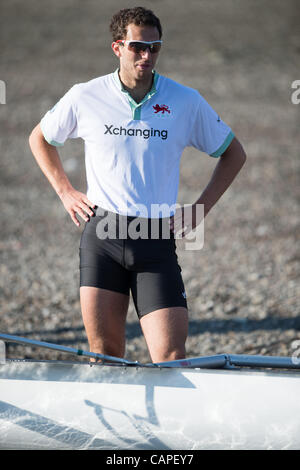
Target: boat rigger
x,y
216,402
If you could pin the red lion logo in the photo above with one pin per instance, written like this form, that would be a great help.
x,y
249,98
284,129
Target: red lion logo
x,y
161,108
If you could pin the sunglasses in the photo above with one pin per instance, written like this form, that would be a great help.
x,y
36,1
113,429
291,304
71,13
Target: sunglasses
x,y
142,46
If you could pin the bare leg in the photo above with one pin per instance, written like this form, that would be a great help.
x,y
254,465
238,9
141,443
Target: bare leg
x,y
165,332
104,316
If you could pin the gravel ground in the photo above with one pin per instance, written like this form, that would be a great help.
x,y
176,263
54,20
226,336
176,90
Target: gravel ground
x,y
243,285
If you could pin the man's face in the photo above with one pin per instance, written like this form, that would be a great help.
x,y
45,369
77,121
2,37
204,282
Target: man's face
x,y
137,66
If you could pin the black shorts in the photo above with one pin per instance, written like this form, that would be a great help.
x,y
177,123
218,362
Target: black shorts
x,y
117,254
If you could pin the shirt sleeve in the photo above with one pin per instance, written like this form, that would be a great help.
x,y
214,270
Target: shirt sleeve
x,y
209,134
60,122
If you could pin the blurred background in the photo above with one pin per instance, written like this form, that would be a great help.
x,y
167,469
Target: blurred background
x,y
242,56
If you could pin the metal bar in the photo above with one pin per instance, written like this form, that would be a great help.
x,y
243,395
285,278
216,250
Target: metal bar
x,y
65,349
230,360
276,362
209,362
205,362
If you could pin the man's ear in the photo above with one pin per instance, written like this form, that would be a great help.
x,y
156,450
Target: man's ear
x,y
116,48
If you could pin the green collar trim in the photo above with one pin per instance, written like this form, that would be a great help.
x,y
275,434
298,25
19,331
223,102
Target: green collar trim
x,y
136,107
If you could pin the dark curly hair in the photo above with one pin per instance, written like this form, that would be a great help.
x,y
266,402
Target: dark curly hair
x,y
138,16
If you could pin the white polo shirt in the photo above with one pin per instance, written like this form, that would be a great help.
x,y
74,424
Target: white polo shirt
x,y
133,150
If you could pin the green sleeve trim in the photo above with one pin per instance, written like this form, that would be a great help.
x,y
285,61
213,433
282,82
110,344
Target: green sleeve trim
x,y
51,142
54,143
224,146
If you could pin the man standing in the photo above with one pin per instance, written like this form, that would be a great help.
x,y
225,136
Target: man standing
x,y
135,124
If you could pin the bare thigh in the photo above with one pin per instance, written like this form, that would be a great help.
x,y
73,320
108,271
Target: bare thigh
x,y
165,332
104,316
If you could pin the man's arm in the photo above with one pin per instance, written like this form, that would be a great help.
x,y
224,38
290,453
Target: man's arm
x,y
49,162
229,165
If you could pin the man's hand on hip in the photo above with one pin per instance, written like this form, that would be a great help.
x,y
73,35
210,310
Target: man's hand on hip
x,y
76,202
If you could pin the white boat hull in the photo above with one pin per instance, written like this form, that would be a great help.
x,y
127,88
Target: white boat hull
x,y
56,405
